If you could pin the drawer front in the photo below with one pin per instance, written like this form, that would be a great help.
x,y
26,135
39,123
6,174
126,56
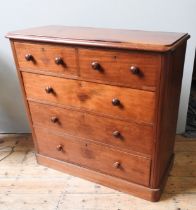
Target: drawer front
x,y
47,58
124,103
133,69
129,136
94,156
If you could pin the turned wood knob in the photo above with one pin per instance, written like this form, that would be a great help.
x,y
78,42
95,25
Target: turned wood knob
x,y
49,89
115,101
59,147
95,65
134,69
116,133
54,119
58,60
116,165
28,57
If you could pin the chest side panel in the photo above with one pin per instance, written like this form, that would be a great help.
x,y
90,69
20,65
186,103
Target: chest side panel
x,y
167,113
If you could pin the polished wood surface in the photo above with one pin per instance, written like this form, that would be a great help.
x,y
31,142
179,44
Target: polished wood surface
x,y
134,105
128,136
94,156
118,67
110,116
44,57
25,184
168,113
113,38
23,94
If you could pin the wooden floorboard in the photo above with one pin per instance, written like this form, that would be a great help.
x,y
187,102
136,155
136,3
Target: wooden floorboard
x,y
25,185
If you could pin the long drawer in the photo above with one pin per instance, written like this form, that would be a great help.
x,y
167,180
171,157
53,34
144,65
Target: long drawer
x,y
94,156
58,59
129,136
133,69
119,102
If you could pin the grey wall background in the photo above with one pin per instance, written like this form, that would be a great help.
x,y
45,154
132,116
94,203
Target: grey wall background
x,y
167,15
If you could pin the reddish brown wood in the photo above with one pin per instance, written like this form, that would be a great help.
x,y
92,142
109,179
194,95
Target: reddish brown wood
x,y
115,67
101,178
46,58
112,38
135,105
23,93
94,156
59,148
135,137
109,115
167,112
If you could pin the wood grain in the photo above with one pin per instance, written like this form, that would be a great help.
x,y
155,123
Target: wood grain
x,y
93,156
134,137
136,105
44,55
112,38
27,185
167,113
116,83
115,67
23,91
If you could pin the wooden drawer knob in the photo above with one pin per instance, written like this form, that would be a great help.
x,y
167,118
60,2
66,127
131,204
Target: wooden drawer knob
x,y
95,65
134,70
54,119
49,89
116,165
59,147
58,60
116,133
28,57
115,101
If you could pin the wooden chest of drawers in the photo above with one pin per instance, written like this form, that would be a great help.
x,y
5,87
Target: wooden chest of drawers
x,y
103,103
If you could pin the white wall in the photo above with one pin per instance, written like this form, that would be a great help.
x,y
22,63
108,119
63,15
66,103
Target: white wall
x,y
167,15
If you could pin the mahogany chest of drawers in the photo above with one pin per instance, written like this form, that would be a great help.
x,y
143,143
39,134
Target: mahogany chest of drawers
x,y
103,103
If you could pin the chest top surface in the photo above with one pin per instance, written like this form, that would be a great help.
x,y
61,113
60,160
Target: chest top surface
x,y
112,38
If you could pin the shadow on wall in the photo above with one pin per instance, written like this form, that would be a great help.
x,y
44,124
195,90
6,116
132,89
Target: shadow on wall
x,y
190,131
11,103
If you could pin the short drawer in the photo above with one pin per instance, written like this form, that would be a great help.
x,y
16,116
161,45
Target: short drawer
x,y
124,103
129,136
94,156
133,69
47,58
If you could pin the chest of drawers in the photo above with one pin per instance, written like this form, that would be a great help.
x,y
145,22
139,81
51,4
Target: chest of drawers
x,y
103,103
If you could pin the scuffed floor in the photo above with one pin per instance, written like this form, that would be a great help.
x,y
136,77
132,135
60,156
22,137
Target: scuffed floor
x,y
25,185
